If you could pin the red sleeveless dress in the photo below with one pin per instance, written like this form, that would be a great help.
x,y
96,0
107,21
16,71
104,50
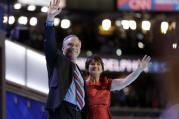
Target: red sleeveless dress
x,y
99,99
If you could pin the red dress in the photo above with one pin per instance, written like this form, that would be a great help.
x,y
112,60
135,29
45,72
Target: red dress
x,y
99,99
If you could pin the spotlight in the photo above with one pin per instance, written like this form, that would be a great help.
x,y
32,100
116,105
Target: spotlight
x,y
118,23
126,91
33,21
5,19
118,52
56,21
164,27
17,6
65,23
44,9
172,26
22,20
125,24
31,8
174,45
140,45
89,53
132,24
146,25
11,20
106,24
140,36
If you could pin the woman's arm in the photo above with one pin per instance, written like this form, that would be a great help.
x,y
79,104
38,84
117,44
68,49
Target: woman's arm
x,y
118,84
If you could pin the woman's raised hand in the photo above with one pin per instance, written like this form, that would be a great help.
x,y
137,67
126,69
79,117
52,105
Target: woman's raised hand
x,y
144,62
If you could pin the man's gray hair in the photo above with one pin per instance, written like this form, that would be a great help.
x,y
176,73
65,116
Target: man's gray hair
x,y
70,36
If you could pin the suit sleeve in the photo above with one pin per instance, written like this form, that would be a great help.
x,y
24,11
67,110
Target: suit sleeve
x,y
50,47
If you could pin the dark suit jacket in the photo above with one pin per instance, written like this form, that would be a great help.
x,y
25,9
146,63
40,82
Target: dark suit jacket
x,y
59,71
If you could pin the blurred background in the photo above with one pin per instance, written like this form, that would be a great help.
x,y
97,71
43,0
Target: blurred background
x,y
120,31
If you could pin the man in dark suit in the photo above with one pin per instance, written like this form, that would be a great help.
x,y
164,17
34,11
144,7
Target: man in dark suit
x,y
66,98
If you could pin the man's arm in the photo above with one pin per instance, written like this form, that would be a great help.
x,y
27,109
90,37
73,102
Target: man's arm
x,y
118,84
50,39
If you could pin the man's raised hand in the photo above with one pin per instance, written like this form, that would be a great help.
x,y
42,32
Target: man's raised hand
x,y
54,8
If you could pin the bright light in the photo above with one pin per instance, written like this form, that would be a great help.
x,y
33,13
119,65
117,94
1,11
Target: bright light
x,y
126,91
5,19
106,24
33,21
146,25
65,23
17,6
56,21
164,27
118,23
125,24
11,20
174,45
140,45
89,53
140,36
31,8
133,24
22,20
119,52
44,9
172,26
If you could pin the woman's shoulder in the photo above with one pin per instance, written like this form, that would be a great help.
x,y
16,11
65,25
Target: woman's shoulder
x,y
105,81
87,81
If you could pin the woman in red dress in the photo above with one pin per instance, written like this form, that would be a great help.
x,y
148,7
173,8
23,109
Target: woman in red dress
x,y
99,88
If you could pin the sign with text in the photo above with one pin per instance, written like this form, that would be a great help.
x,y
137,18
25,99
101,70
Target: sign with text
x,y
41,2
148,5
